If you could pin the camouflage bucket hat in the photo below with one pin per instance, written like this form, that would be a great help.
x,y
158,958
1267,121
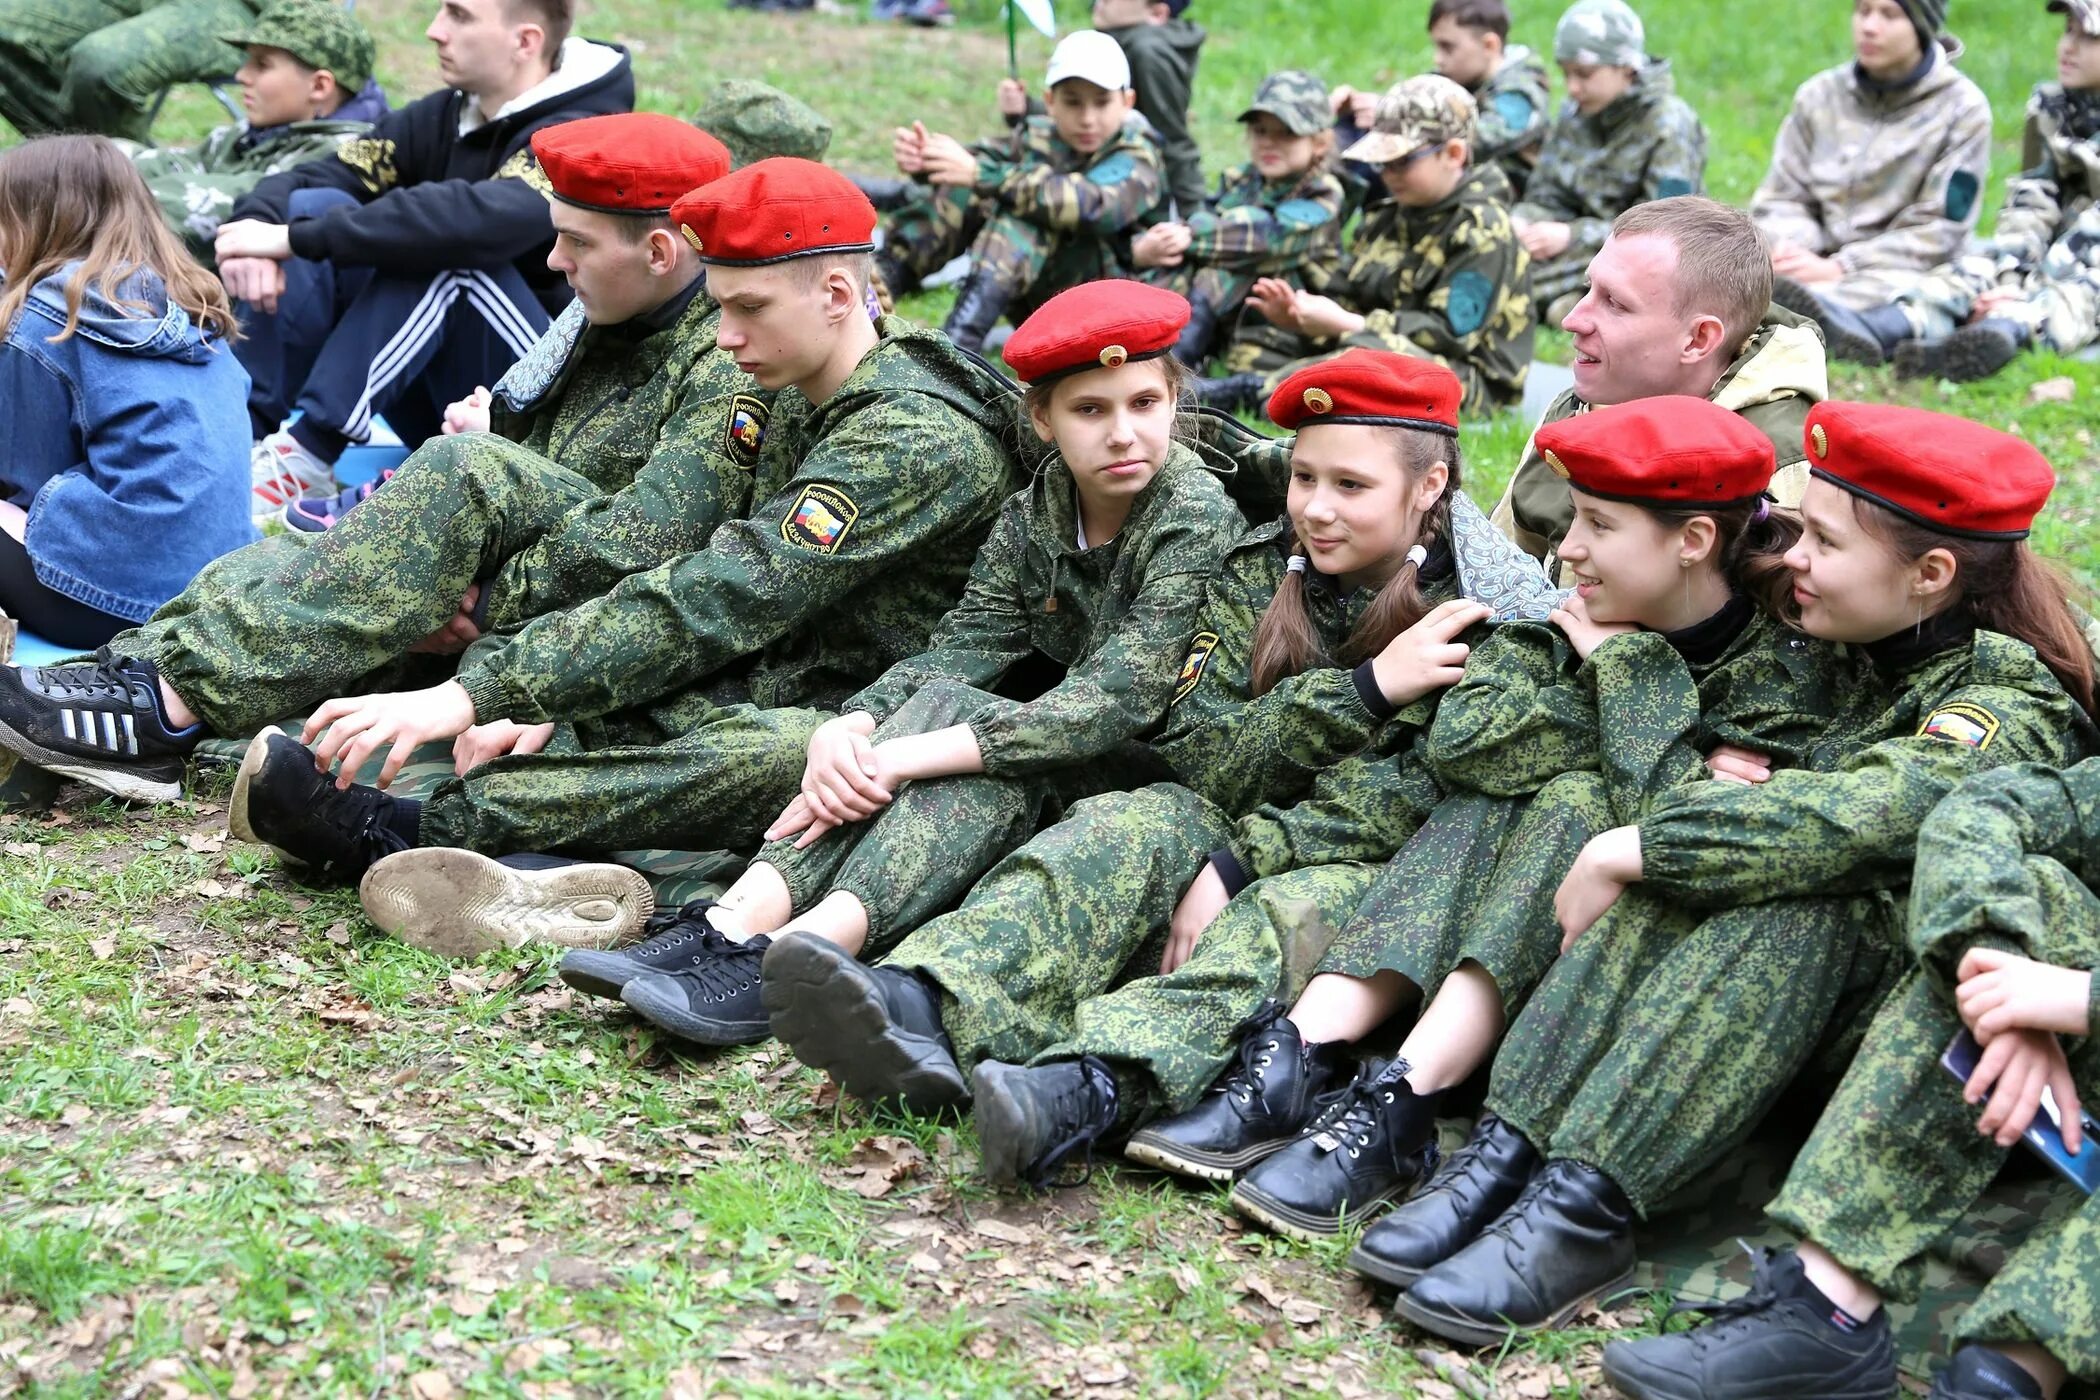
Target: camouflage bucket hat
x,y
1427,110
1295,98
1603,32
319,33
2086,14
757,122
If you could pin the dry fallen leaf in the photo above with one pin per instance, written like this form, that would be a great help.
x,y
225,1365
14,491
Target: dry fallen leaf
x,y
1000,1230
430,1385
2062,389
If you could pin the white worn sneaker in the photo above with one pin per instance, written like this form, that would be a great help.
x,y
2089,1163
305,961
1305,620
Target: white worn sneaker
x,y
280,472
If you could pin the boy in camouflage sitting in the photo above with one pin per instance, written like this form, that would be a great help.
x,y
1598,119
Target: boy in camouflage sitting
x,y
1049,206
307,86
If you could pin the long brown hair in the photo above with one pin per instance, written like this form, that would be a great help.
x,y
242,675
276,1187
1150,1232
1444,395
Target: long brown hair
x,y
1286,643
1751,540
77,198
2006,588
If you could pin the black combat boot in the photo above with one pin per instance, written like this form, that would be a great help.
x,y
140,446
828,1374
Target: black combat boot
x,y
1479,1182
1256,1107
1232,393
1781,1340
886,192
1864,337
1192,347
1373,1140
1971,353
876,1030
1567,1240
713,1000
672,941
1979,1373
979,303
1032,1118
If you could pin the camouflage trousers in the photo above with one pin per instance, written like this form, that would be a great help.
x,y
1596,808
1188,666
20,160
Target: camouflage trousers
x,y
1554,278
97,65
2060,300
1055,953
272,629
1029,262
1896,1160
1223,291
1664,1036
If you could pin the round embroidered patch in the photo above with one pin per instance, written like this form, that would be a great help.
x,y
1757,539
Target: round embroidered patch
x,y
1560,468
1818,440
1319,401
691,237
1113,355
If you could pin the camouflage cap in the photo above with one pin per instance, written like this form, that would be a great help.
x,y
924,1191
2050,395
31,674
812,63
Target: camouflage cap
x,y
2085,13
1295,98
1426,110
319,33
757,122
1603,32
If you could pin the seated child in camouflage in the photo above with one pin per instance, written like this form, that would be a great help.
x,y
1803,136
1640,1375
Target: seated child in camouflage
x,y
1279,213
2036,279
1083,977
477,531
1726,950
2004,940
1623,136
1038,688
1877,171
1049,206
1435,272
306,86
1508,84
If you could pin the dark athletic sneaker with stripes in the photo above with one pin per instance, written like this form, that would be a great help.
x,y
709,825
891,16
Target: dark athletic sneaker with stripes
x,y
98,722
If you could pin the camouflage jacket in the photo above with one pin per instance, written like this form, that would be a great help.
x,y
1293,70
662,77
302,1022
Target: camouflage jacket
x,y
1109,623
1269,229
2059,179
882,494
1035,176
655,417
1163,61
1973,881
1448,283
1917,717
1646,145
1878,176
1771,382
1512,107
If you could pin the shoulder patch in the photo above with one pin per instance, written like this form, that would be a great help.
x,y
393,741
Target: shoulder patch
x,y
1112,171
1671,186
372,159
1192,669
1302,213
1961,194
1471,295
819,519
1961,724
1514,108
746,432
518,167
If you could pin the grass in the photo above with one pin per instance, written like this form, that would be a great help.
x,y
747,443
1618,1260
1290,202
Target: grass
x,y
248,1147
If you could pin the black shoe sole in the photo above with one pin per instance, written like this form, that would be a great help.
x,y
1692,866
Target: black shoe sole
x,y
669,1010
1838,343
1962,358
1170,1156
1385,1271
1264,1209
1473,1332
131,782
600,974
237,823
831,1015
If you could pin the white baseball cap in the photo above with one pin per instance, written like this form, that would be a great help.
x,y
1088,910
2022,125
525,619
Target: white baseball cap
x,y
1091,56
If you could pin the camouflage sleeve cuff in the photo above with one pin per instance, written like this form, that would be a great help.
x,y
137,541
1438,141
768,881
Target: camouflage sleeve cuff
x,y
1229,870
487,691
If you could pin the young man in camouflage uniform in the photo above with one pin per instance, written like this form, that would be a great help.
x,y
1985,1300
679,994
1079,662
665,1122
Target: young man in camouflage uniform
x,y
2005,929
1623,137
307,87
2036,279
1163,48
98,65
1048,207
1878,168
1437,272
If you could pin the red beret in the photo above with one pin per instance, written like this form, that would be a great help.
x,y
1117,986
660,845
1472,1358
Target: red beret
x,y
1370,386
776,209
1675,451
627,162
1096,325
1946,473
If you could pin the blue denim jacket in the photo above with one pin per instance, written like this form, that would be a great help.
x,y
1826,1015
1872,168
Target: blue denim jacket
x,y
127,443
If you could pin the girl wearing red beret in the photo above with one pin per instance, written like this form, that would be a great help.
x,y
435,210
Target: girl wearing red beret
x,y
1736,936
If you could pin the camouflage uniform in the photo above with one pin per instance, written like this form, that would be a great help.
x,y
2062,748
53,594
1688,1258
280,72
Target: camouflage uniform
x,y
1512,103
1104,628
1771,382
1041,216
1886,180
2008,860
2046,241
1446,282
97,65
756,121
1768,923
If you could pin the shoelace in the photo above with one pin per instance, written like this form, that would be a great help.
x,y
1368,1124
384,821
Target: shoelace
x,y
671,928
721,968
1256,1054
362,818
1083,1112
1762,1297
95,680
1355,1112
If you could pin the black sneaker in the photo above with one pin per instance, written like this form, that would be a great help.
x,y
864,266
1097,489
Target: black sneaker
x,y
671,942
1372,1142
1255,1108
461,904
1032,1118
1467,1194
1779,1340
1980,1373
98,722
876,1030
1972,352
283,801
714,1000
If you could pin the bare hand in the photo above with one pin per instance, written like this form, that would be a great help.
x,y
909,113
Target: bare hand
x,y
908,148
1994,299
1338,98
2014,1070
457,634
1547,238
1607,865
799,821
1792,260
1427,656
842,780
470,414
1013,98
1196,912
1162,245
949,161
1731,763
358,726
1583,632
257,281
2001,991
252,238
1325,317
1363,110
1277,301
484,742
